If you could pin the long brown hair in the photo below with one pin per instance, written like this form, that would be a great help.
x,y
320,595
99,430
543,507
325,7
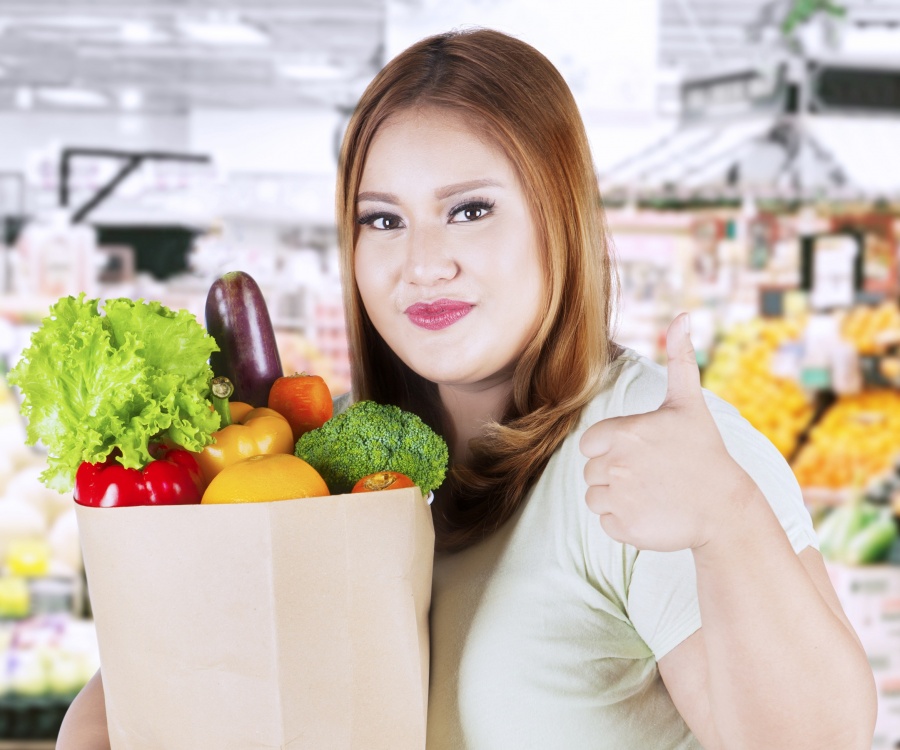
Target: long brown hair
x,y
517,98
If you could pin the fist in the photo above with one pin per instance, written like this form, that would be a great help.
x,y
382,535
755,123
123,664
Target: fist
x,y
664,480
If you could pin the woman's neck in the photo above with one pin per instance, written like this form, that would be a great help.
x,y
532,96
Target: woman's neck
x,y
469,408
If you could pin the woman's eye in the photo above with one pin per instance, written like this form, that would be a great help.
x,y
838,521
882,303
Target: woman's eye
x,y
471,211
380,221
386,222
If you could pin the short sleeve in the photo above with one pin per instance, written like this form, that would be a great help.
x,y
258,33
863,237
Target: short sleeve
x,y
755,454
662,601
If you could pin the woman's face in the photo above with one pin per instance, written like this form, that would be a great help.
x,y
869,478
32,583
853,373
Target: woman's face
x,y
448,259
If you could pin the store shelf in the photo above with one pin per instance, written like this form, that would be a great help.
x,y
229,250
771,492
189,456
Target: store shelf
x,y
820,497
23,306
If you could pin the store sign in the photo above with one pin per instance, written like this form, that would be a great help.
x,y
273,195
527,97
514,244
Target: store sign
x,y
832,270
748,91
879,248
836,88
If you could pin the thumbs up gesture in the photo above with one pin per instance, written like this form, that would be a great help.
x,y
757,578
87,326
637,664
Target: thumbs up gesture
x,y
664,480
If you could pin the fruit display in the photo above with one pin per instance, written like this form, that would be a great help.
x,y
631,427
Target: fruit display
x,y
44,662
741,372
857,533
49,655
300,354
871,329
857,438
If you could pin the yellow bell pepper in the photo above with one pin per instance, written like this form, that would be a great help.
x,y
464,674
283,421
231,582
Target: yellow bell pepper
x,y
252,432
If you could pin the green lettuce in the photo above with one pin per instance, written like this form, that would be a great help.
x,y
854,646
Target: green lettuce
x,y
92,383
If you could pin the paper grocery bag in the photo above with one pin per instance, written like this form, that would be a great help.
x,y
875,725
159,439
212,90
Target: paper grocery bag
x,y
290,624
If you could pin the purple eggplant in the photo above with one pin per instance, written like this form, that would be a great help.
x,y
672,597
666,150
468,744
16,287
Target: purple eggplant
x,y
238,319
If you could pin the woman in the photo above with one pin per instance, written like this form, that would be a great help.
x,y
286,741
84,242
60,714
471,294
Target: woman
x,y
478,295
599,507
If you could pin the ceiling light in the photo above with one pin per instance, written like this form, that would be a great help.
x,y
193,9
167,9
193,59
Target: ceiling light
x,y
134,32
24,97
311,71
131,99
73,97
223,32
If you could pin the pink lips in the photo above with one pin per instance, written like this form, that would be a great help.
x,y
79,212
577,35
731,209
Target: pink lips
x,y
438,314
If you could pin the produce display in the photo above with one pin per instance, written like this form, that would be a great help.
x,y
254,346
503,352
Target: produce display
x,y
870,329
52,655
741,372
44,662
857,533
858,438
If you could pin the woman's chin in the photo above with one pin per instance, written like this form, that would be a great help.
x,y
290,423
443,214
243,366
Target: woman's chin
x,y
440,373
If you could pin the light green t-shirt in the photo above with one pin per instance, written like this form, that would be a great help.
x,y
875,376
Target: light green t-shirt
x,y
547,634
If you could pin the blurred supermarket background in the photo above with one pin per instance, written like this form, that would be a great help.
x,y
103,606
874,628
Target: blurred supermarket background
x,y
749,156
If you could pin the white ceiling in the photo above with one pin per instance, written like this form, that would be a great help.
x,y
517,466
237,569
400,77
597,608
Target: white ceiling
x,y
174,55
171,56
699,35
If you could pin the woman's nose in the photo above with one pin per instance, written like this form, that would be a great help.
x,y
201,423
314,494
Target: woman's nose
x,y
428,259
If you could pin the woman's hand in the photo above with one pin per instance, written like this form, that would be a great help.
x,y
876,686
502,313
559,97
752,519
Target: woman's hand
x,y
84,725
664,480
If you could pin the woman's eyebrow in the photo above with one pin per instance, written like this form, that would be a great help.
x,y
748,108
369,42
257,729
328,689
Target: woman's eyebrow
x,y
380,197
441,193
462,187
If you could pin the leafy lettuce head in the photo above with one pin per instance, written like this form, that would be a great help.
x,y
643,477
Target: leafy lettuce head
x,y
93,383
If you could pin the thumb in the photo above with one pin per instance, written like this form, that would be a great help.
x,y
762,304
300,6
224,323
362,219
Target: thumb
x,y
684,374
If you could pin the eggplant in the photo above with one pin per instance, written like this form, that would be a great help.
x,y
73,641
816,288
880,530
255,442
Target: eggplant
x,y
238,319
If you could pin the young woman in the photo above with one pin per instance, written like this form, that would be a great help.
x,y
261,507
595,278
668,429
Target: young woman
x,y
622,561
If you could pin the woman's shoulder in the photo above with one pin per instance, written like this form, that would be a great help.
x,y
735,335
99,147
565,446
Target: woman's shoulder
x,y
632,384
636,384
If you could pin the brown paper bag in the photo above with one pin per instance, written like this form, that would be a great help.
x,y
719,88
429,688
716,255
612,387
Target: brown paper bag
x,y
290,624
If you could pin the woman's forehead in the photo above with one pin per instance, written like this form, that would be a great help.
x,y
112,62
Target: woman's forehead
x,y
425,120
417,143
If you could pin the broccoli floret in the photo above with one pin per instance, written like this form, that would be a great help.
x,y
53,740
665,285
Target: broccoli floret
x,y
368,437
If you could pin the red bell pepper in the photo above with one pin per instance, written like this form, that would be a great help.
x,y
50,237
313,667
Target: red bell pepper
x,y
172,478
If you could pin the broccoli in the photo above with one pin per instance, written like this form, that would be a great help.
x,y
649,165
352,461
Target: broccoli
x,y
368,437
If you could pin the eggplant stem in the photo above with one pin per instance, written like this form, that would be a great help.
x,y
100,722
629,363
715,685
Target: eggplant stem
x,y
222,389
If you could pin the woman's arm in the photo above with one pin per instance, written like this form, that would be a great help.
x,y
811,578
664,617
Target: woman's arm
x,y
776,663
84,727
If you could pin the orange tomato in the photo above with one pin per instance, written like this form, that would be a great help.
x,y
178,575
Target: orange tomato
x,y
263,478
383,480
303,400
